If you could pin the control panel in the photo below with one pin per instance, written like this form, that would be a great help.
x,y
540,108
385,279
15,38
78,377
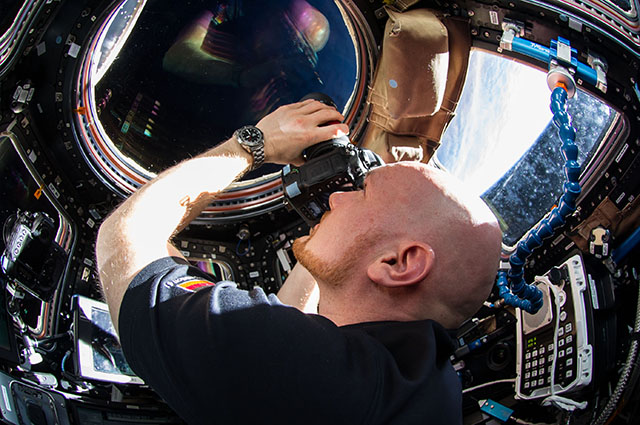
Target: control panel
x,y
554,355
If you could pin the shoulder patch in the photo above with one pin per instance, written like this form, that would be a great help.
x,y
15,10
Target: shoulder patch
x,y
192,284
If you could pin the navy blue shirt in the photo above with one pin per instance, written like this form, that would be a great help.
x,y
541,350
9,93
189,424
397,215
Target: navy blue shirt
x,y
220,355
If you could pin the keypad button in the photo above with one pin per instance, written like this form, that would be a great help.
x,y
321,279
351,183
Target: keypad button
x,y
561,353
542,360
569,373
527,365
527,356
526,385
569,339
527,375
541,371
535,353
561,343
542,350
561,332
534,373
534,363
569,351
563,315
550,358
541,381
550,347
569,361
568,327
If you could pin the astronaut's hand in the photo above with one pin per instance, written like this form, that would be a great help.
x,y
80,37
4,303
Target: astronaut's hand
x,y
292,128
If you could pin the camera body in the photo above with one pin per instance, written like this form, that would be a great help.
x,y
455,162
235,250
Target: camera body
x,y
31,256
333,165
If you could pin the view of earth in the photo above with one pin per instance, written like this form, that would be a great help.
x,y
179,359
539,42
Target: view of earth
x,y
503,145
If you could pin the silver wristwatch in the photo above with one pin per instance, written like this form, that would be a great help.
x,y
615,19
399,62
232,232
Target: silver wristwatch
x,y
251,139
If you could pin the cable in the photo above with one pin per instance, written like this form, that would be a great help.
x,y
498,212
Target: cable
x,y
625,374
554,399
246,251
64,359
626,247
488,384
523,422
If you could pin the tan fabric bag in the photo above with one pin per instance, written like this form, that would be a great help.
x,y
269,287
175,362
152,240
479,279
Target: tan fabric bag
x,y
417,84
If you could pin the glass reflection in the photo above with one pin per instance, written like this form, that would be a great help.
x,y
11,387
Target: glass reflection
x,y
190,73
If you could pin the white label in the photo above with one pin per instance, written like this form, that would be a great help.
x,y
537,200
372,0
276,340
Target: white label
x,y
594,294
17,93
575,25
33,156
622,152
285,262
41,48
22,97
493,15
5,396
53,190
620,198
557,240
254,274
564,52
74,49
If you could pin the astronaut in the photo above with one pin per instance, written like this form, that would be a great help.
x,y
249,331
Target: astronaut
x,y
396,264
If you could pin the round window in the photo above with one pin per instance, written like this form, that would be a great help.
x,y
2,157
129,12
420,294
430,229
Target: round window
x,y
164,80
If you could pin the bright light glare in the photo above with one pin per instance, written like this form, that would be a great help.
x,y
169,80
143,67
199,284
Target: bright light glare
x,y
503,109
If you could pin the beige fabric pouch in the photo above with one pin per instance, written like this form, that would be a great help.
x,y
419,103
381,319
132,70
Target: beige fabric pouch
x,y
417,84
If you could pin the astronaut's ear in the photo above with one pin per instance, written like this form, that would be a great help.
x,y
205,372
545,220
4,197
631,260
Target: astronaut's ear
x,y
410,263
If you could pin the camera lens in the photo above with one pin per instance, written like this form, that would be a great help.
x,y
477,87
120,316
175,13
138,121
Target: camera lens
x,y
320,97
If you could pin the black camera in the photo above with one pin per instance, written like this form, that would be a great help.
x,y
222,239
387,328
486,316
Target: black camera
x,y
31,256
332,165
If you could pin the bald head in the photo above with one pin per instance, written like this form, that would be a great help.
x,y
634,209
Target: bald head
x,y
433,207
412,245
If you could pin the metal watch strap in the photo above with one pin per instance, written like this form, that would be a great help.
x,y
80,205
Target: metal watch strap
x,y
257,151
258,156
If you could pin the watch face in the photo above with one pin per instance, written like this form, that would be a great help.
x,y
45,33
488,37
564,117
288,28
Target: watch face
x,y
250,136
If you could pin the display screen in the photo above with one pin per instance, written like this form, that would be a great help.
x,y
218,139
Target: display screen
x,y
99,354
107,354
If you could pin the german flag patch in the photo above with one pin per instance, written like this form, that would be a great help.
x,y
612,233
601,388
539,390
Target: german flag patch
x,y
195,284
